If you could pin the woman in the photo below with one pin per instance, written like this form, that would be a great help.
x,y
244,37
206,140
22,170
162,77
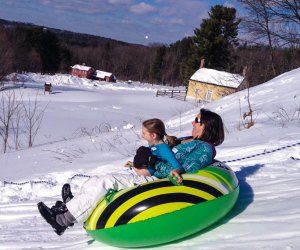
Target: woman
x,y
194,153
197,151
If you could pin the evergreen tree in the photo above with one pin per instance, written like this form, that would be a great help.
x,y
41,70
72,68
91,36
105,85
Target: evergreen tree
x,y
156,69
176,70
190,61
47,46
66,59
217,36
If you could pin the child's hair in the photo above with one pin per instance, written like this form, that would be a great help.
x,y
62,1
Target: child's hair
x,y
157,126
172,141
214,129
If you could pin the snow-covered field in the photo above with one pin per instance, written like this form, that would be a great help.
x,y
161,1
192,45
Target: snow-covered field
x,y
93,128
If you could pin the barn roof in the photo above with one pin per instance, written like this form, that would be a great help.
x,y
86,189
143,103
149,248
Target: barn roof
x,y
81,67
102,74
216,77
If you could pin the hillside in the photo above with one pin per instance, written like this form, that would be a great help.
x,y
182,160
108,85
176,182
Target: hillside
x,y
31,48
264,157
66,36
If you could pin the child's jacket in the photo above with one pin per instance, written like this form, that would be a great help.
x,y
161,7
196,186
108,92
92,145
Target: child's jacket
x,y
192,156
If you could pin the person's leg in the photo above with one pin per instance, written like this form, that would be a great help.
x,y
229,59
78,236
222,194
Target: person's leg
x,y
66,193
94,190
142,171
59,217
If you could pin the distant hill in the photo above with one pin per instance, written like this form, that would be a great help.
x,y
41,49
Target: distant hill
x,y
67,36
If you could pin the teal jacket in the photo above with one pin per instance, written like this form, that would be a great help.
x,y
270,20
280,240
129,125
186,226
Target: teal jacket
x,y
192,156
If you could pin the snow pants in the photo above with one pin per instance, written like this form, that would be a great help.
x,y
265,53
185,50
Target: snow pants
x,y
94,190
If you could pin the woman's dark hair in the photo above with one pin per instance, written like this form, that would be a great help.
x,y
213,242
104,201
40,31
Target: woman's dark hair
x,y
214,129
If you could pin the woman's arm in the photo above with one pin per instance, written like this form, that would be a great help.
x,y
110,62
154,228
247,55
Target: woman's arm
x,y
176,173
198,158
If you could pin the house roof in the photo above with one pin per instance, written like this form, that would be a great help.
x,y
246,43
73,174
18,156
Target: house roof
x,y
102,74
81,67
220,78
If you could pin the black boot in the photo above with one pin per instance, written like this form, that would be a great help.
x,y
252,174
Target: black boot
x,y
58,221
60,208
66,193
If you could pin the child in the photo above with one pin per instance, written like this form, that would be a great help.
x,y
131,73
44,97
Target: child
x,y
153,131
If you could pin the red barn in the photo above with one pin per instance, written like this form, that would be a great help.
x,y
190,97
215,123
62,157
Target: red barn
x,y
82,71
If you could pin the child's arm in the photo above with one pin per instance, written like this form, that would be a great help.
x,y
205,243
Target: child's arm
x,y
168,155
139,171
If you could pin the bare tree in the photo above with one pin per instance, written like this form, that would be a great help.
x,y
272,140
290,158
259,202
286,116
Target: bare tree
x,y
33,118
248,115
16,124
260,23
287,9
287,13
8,108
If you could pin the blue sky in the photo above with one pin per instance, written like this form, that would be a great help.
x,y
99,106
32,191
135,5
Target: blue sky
x,y
142,22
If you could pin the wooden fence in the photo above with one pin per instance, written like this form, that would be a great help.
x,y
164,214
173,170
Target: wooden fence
x,y
177,94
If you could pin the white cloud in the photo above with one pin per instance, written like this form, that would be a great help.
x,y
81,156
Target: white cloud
x,y
116,2
126,21
157,20
176,21
230,4
141,8
88,7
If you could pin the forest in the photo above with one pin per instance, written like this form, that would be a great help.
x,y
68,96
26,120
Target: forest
x,y
266,40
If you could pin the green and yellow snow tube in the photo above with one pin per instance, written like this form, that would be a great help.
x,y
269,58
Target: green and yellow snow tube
x,y
159,212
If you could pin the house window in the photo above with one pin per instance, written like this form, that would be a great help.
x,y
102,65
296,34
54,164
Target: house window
x,y
208,95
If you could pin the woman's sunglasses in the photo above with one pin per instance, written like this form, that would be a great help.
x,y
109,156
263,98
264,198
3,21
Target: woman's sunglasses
x,y
197,120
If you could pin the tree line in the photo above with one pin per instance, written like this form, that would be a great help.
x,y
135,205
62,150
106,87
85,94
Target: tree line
x,y
265,39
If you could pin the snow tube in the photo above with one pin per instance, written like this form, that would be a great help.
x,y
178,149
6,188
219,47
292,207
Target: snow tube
x,y
159,212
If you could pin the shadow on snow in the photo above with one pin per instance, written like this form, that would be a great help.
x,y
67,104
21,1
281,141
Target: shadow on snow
x,y
245,198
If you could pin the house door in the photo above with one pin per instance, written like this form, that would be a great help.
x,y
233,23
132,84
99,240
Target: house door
x,y
208,95
197,94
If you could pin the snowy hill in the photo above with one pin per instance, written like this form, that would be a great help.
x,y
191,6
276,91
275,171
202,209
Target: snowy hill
x,y
93,128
